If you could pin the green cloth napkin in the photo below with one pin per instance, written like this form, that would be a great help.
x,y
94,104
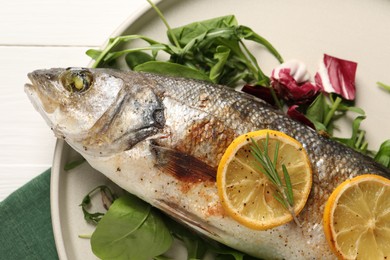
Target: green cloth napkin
x,y
25,222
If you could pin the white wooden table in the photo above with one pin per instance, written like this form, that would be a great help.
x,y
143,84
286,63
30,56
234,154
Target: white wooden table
x,y
42,34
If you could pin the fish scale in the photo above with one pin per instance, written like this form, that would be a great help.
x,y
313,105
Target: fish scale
x,y
332,162
186,125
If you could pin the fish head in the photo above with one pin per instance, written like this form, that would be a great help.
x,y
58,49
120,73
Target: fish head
x,y
97,111
72,100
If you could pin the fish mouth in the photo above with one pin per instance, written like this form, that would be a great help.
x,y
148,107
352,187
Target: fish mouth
x,y
41,90
31,90
39,100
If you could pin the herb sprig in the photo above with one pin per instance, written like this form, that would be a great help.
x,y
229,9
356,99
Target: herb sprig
x,y
284,192
108,197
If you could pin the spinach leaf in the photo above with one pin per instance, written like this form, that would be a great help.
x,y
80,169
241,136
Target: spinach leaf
x,y
185,34
136,58
131,229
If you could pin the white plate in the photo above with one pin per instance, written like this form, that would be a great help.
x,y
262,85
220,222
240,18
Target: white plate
x,y
302,29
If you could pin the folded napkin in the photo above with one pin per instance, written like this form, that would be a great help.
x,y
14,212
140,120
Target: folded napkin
x,y
25,222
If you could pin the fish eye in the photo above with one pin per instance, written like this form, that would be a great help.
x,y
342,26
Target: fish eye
x,y
76,80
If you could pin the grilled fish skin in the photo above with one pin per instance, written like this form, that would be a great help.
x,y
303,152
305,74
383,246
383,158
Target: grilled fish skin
x,y
161,138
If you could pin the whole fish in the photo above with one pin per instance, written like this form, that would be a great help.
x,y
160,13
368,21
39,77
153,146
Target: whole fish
x,y
161,139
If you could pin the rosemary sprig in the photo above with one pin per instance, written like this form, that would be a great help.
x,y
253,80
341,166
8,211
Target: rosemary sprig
x,y
284,191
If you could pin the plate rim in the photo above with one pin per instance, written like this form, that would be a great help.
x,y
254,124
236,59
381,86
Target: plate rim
x,y
54,198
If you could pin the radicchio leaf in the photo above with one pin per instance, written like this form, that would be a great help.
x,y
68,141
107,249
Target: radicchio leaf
x,y
295,114
261,92
337,76
291,81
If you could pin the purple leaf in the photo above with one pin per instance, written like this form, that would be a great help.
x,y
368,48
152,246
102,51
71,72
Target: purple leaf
x,y
337,76
291,82
295,114
261,92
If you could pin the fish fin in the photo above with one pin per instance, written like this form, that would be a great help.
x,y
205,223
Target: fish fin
x,y
183,166
189,219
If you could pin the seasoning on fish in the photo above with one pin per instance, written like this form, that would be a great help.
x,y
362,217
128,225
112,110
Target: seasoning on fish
x,y
167,135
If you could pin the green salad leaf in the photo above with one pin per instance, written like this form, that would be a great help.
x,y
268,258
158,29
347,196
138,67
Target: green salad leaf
x,y
131,229
317,112
383,155
73,164
108,196
195,245
383,86
212,50
357,140
187,33
136,58
323,114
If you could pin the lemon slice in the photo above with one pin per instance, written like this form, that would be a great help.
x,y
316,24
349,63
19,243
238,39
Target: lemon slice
x,y
246,193
357,218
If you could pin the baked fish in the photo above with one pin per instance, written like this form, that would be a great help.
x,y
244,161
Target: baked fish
x,y
161,139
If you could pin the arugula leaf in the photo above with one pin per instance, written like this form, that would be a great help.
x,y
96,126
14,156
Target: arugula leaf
x,y
383,155
383,86
213,47
322,115
356,141
107,197
94,54
221,55
103,57
195,245
248,34
131,229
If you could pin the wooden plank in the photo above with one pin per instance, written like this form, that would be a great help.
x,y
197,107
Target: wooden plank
x,y
14,176
56,22
27,144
